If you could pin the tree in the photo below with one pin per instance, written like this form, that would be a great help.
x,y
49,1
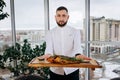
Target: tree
x,y
3,14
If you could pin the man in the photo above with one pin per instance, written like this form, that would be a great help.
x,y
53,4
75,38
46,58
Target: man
x,y
63,40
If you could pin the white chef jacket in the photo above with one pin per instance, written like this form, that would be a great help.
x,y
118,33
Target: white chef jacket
x,y
63,41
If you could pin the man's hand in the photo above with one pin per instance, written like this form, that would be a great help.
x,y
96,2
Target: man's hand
x,y
44,56
80,56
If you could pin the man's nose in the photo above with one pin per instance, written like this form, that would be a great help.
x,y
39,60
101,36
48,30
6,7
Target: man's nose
x,y
61,18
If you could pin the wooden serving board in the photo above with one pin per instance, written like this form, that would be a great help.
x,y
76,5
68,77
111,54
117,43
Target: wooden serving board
x,y
91,64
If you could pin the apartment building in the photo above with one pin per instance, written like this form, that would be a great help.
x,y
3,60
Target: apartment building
x,y
102,29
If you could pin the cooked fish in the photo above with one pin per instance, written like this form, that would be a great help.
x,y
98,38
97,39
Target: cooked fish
x,y
63,59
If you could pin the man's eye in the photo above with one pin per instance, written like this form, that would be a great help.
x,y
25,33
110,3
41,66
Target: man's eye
x,y
64,15
58,15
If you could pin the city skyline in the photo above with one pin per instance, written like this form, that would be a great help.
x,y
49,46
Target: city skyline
x,y
31,15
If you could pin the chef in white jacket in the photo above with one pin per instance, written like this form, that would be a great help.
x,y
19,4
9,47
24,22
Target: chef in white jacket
x,y
63,40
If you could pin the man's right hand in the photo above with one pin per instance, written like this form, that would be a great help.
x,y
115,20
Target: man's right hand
x,y
44,56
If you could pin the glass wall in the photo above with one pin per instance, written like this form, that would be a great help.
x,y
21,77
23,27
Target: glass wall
x,y
5,29
104,37
29,20
104,28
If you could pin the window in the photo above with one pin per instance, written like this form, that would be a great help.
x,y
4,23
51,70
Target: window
x,y
116,30
5,28
105,21
29,19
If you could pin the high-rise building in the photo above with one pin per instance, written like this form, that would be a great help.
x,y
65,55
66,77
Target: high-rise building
x,y
102,29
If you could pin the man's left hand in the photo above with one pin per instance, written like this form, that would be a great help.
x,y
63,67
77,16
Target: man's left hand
x,y
82,57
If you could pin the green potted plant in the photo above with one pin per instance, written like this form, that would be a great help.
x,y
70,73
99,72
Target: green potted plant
x,y
12,55
21,55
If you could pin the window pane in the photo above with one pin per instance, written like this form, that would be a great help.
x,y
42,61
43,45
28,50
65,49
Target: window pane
x,y
5,28
29,16
105,37
104,16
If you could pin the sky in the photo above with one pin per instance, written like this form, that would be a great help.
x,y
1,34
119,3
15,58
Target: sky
x,y
29,14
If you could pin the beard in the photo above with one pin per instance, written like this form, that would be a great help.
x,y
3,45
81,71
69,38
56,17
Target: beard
x,y
61,23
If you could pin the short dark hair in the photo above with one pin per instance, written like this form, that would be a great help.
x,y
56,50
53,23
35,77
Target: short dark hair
x,y
62,8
